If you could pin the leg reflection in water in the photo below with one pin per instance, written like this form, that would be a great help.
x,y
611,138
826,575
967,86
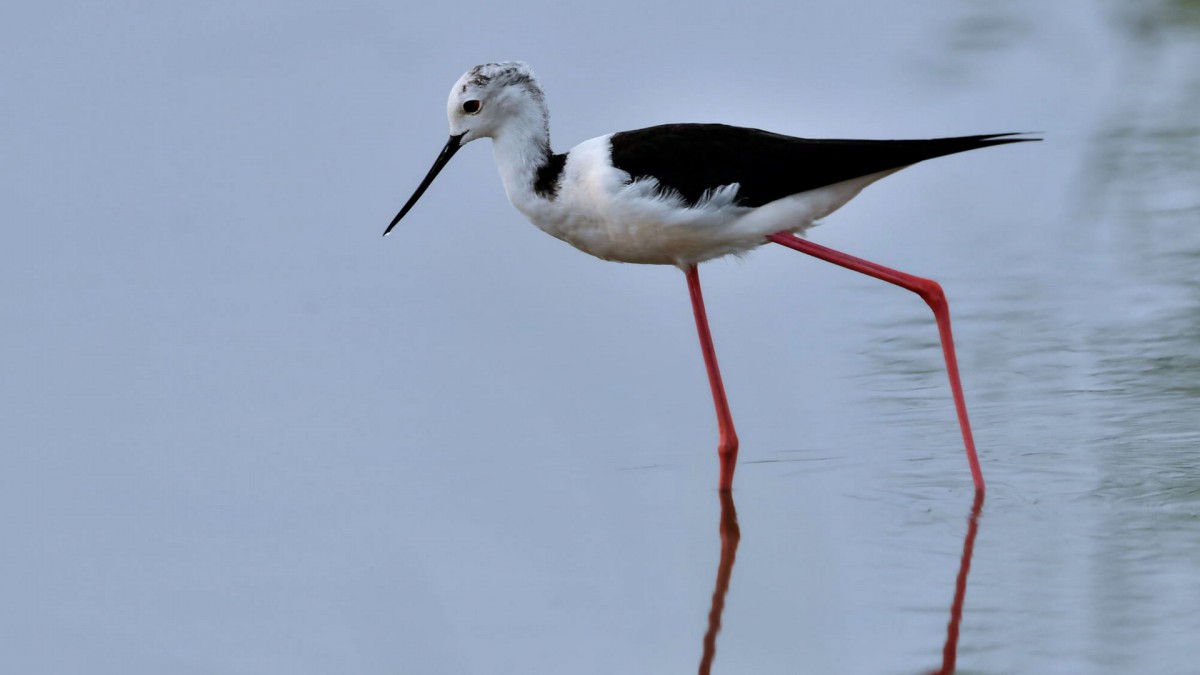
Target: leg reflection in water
x,y
950,650
730,536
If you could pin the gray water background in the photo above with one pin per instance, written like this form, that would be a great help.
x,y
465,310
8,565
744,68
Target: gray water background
x,y
243,434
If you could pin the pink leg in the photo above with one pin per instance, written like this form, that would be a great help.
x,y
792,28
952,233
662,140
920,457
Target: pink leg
x,y
728,444
933,296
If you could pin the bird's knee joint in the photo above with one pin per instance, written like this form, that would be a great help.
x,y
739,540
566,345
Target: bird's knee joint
x,y
933,295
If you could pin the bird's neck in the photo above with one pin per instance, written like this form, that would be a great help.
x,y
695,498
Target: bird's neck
x,y
522,149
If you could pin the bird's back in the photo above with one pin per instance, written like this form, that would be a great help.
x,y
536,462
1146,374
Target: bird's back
x,y
692,159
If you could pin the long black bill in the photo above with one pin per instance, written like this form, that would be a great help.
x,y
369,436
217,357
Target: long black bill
x,y
452,147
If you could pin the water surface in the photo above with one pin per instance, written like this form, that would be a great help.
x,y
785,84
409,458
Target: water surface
x,y
242,434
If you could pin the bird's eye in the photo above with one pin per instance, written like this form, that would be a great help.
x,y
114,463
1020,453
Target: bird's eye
x,y
471,107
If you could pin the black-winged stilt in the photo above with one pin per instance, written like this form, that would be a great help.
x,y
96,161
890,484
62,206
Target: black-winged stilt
x,y
681,194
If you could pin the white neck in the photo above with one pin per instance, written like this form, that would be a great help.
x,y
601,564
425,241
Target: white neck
x,y
520,148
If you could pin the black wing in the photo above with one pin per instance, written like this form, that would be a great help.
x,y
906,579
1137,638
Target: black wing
x,y
694,158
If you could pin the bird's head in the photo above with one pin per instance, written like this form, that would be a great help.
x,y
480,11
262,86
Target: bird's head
x,y
489,101
492,98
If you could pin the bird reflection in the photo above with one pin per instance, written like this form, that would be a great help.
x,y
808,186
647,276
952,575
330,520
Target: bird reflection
x,y
730,536
950,650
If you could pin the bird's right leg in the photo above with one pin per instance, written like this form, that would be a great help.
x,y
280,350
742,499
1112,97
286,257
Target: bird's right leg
x,y
727,446
933,296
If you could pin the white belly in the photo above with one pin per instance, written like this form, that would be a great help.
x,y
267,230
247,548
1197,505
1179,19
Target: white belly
x,y
599,212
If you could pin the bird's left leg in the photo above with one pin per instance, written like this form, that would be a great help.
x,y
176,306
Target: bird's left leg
x,y
727,446
933,296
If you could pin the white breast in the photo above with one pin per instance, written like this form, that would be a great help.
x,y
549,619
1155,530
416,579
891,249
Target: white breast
x,y
597,210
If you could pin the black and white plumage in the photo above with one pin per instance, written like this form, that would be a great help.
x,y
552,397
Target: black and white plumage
x,y
680,194
675,194
694,159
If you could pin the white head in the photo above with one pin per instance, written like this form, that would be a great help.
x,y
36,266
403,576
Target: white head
x,y
493,100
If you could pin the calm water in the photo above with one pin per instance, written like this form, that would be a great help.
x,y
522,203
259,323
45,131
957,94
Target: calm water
x,y
244,435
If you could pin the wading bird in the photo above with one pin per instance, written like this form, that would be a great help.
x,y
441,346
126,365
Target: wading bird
x,y
681,194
